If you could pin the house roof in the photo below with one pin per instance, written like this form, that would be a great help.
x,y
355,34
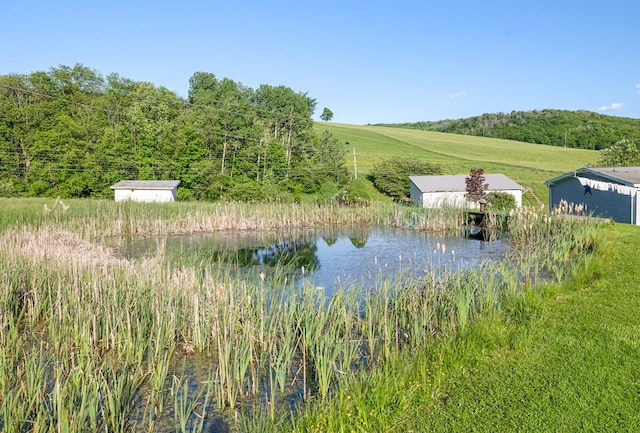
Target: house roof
x,y
629,176
456,183
146,184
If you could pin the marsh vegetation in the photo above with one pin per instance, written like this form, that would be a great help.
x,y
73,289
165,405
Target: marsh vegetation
x,y
151,344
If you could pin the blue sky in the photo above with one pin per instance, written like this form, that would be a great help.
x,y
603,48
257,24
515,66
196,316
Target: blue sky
x,y
368,61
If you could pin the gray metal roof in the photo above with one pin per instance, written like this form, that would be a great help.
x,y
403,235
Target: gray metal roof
x,y
146,184
629,176
451,183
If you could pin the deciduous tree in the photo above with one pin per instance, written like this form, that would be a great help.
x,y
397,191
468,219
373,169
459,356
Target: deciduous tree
x,y
326,115
476,186
623,153
70,132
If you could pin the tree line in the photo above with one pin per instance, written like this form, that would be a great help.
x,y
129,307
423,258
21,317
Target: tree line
x,y
72,132
573,129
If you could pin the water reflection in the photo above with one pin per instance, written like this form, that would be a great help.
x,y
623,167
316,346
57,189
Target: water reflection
x,y
296,253
327,258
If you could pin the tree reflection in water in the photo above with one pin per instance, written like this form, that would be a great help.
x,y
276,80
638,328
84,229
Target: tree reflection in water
x,y
326,258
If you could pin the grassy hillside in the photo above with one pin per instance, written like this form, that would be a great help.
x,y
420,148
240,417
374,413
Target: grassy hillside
x,y
528,164
564,128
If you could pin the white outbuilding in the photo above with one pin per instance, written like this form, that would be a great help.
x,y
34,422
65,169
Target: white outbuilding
x,y
605,192
149,191
451,190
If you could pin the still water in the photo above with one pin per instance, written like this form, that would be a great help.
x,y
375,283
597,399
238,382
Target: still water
x,y
326,259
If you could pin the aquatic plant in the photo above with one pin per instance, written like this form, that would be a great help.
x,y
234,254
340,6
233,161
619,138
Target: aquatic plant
x,y
83,327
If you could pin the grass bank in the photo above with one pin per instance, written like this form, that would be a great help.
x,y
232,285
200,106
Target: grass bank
x,y
560,358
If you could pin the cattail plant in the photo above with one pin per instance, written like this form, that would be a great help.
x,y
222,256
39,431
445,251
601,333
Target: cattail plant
x,y
83,327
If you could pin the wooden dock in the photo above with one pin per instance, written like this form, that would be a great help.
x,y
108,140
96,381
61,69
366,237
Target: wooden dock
x,y
484,226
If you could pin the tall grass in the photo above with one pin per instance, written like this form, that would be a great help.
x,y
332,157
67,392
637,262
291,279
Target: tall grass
x,y
85,329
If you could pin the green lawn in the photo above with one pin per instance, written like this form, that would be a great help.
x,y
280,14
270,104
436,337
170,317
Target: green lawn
x,y
528,164
578,371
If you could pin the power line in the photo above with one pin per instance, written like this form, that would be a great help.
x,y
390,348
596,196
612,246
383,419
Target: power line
x,y
13,162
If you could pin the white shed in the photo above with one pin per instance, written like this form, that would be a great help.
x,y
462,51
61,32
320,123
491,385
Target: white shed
x,y
451,190
146,190
606,192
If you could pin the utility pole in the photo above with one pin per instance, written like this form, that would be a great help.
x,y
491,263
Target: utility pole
x,y
355,165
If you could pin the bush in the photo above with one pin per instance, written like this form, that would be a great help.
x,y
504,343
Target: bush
x,y
38,188
246,191
357,193
392,177
328,192
7,189
185,194
500,201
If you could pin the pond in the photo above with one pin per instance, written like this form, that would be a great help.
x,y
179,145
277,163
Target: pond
x,y
326,259
292,364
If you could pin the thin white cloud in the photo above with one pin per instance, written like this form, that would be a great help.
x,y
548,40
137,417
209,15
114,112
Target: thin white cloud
x,y
457,95
615,106
638,87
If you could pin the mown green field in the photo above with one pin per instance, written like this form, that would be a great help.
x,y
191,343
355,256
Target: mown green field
x,y
528,164
576,370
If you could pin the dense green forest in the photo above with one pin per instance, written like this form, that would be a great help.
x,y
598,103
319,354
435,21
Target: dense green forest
x,y
575,129
71,132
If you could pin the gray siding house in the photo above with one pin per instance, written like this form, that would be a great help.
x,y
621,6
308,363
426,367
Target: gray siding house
x,y
146,190
606,192
437,191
